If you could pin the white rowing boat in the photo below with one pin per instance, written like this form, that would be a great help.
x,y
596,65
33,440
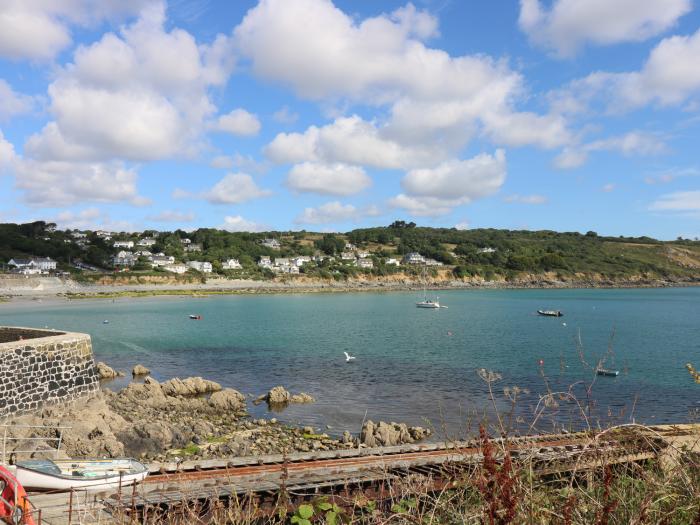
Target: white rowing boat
x,y
98,474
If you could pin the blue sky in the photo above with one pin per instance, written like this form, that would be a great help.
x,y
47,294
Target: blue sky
x,y
571,115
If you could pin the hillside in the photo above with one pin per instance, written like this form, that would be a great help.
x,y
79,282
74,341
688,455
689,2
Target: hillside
x,y
479,254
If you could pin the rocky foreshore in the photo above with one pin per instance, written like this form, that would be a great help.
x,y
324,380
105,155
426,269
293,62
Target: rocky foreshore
x,y
190,418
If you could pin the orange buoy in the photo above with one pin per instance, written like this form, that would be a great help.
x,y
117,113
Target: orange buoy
x,y
14,504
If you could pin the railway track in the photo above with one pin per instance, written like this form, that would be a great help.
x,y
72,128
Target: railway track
x,y
343,476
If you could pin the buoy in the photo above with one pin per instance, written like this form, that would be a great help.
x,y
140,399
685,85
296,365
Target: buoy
x,y
541,362
14,505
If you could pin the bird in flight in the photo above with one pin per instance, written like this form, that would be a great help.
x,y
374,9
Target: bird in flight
x,y
348,357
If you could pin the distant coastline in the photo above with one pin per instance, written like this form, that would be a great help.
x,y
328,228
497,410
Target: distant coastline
x,y
12,290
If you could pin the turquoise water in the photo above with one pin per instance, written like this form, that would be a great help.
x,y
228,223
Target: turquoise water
x,y
412,364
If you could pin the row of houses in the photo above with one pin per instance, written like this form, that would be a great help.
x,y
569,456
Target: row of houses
x,y
33,265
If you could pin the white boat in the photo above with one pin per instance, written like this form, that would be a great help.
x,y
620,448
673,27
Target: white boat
x,y
98,474
428,303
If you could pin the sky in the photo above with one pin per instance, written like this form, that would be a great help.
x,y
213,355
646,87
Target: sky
x,y
567,115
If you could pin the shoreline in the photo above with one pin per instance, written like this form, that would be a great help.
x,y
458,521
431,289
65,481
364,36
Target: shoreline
x,y
66,291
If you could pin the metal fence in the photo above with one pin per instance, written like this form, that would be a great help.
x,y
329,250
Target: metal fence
x,y
9,441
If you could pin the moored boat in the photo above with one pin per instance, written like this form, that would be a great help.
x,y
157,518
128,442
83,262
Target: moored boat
x,y
550,313
428,303
196,317
607,372
46,474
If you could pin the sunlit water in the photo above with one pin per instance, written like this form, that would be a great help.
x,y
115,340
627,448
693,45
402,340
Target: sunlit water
x,y
412,364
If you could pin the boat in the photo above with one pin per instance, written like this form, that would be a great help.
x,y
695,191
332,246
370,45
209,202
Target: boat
x,y
428,303
607,372
195,316
550,313
46,474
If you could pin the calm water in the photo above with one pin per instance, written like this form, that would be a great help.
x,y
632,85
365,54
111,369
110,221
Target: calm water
x,y
412,364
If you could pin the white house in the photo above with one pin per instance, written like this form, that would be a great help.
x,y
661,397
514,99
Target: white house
x,y
175,268
265,262
392,261
362,254
200,266
146,241
347,256
185,241
271,243
79,235
193,247
432,262
44,263
124,258
123,244
162,260
350,247
231,264
301,260
365,263
487,249
33,265
413,258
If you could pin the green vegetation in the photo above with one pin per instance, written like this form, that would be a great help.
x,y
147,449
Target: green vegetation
x,y
482,254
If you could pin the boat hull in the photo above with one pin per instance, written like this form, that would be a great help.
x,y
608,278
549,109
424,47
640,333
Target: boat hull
x,y
101,477
428,305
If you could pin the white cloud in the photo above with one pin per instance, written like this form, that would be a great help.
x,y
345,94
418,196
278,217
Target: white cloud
x,y
239,224
570,24
328,179
222,162
679,201
634,143
669,77
38,30
7,153
435,102
13,103
238,122
464,225
671,175
331,212
90,219
526,199
61,183
235,188
245,163
285,115
172,216
607,188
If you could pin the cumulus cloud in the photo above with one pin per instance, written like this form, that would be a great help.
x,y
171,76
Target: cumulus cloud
x,y
13,103
567,25
435,102
464,225
38,30
171,216
679,201
630,144
284,115
7,153
331,212
238,122
328,179
63,183
235,188
526,199
239,224
436,191
669,77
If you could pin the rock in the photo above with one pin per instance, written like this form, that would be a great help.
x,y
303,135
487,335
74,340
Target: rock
x,y
105,371
140,370
308,430
301,397
191,386
278,396
228,400
389,434
347,437
273,421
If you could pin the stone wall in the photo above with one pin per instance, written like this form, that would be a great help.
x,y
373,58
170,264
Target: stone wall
x,y
43,367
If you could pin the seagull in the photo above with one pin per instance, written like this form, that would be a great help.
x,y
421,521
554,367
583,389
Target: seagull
x,y
348,357
563,324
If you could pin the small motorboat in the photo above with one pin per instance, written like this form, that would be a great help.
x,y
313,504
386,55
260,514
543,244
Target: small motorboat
x,y
106,321
196,317
550,313
607,372
98,474
428,303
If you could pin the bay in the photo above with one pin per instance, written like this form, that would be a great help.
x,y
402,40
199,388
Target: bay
x,y
413,365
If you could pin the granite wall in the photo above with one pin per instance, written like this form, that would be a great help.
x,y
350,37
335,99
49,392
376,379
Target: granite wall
x,y
42,367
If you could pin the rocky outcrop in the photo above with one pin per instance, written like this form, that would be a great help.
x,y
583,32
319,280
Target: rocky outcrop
x,y
227,400
140,370
280,397
390,434
192,386
105,371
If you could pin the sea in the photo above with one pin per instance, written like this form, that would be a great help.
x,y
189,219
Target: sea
x,y
487,354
